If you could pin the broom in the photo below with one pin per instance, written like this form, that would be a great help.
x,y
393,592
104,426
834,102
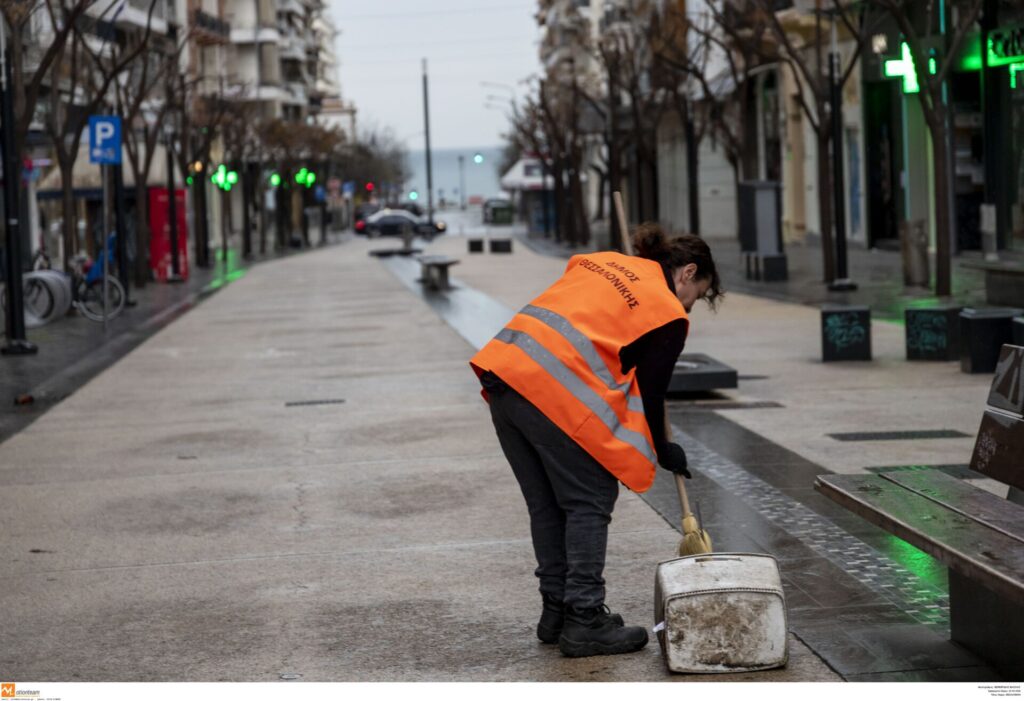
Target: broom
x,y
696,540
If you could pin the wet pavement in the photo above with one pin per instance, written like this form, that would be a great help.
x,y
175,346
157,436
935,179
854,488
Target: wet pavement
x,y
319,492
72,350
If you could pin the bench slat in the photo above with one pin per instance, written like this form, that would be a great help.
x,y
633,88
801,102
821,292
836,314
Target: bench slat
x,y
992,558
964,498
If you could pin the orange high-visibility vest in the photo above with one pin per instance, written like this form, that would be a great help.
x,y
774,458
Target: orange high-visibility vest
x,y
561,352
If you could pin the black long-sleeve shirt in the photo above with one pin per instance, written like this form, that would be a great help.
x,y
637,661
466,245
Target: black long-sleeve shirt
x,y
654,356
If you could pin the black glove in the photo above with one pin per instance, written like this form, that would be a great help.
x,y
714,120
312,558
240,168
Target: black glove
x,y
672,457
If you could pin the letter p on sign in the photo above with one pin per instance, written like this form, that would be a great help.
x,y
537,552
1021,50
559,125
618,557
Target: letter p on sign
x,y
104,139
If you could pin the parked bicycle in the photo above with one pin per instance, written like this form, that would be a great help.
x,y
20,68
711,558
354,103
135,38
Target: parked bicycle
x,y
87,284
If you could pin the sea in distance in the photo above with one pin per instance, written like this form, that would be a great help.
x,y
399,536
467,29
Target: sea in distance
x,y
481,178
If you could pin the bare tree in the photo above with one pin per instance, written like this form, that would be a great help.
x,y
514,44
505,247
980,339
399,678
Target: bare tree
x,y
27,87
807,60
87,65
937,113
144,111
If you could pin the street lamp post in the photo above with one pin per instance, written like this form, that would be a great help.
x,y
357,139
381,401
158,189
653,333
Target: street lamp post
x,y
462,181
842,283
426,132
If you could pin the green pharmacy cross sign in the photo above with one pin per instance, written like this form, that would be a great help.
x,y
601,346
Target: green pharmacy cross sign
x,y
224,178
305,177
903,67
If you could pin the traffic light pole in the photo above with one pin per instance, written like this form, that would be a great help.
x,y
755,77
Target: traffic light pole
x,y
16,343
426,131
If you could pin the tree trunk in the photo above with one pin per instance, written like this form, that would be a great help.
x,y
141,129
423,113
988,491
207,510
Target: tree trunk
x,y
67,201
580,213
825,200
247,187
201,214
142,232
943,199
692,172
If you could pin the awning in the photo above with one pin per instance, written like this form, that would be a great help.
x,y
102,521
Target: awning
x,y
527,174
86,175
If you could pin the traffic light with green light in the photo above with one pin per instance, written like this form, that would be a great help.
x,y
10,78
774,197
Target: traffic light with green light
x,y
478,158
413,195
305,177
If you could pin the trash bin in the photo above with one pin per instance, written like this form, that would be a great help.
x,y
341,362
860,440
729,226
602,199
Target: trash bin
x,y
914,247
982,334
760,213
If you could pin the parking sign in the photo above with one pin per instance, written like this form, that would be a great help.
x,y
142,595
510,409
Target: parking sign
x,y
104,139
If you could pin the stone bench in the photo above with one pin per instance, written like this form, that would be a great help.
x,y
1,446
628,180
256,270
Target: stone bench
x,y
1004,281
435,271
976,534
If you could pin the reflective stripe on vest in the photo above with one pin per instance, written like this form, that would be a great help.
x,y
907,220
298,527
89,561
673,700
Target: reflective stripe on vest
x,y
585,347
562,353
561,374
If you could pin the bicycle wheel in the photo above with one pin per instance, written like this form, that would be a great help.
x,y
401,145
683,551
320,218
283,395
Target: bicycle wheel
x,y
39,301
90,299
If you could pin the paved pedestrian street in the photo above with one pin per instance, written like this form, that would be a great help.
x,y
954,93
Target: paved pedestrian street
x,y
298,476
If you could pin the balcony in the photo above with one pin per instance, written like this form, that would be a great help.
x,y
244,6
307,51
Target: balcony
x,y
209,29
251,35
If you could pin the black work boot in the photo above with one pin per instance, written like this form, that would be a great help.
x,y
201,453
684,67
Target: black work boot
x,y
549,627
552,618
592,631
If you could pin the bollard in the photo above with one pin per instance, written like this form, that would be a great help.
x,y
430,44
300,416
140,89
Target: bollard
x,y
982,333
933,333
845,333
476,245
501,245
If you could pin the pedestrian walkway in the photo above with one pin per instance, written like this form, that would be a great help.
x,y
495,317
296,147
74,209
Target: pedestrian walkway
x,y
74,349
296,477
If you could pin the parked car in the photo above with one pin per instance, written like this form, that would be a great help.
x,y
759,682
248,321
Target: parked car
x,y
411,206
360,214
395,222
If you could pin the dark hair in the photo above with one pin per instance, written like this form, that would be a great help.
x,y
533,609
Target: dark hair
x,y
651,242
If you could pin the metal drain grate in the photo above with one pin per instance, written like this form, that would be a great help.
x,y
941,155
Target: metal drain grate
x,y
315,402
896,435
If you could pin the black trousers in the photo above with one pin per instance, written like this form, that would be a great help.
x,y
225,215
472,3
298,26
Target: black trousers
x,y
569,494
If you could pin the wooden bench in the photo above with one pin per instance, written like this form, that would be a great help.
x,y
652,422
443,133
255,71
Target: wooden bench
x,y
1004,281
976,534
435,271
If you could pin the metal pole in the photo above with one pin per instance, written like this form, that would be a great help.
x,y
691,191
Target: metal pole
x,y
16,343
426,131
172,199
105,261
842,281
462,182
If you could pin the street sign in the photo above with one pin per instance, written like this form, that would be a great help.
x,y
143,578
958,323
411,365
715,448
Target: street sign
x,y
104,139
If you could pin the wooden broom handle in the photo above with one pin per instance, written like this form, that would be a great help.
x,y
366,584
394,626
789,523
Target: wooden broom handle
x,y
620,214
684,500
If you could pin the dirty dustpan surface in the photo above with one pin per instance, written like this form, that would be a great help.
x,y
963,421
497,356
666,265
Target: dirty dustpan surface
x,y
719,613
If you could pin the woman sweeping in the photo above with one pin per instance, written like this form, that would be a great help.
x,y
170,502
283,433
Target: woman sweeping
x,y
576,384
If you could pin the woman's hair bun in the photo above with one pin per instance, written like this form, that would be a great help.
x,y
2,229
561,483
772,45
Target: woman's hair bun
x,y
650,241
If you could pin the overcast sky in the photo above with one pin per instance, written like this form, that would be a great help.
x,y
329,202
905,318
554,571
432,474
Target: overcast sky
x,y
465,42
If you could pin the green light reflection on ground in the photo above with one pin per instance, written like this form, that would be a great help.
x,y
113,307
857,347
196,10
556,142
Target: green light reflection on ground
x,y
919,563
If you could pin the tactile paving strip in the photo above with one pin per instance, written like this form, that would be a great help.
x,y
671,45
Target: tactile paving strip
x,y
924,602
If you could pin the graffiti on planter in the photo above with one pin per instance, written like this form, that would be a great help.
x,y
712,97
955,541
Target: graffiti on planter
x,y
844,330
927,333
